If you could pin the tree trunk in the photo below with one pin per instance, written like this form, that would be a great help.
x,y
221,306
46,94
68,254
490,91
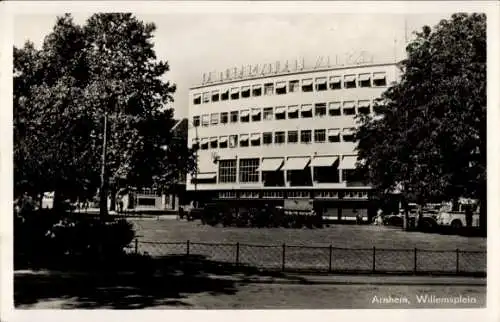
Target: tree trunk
x,y
483,216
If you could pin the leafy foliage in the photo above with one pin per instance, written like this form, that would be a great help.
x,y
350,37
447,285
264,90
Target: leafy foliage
x,y
431,139
61,93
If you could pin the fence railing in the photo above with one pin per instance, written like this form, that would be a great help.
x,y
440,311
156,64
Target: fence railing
x,y
330,259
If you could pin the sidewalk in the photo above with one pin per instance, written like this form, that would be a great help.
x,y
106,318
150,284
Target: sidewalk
x,y
307,279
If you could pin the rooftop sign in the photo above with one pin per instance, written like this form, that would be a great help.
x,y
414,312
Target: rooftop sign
x,y
284,67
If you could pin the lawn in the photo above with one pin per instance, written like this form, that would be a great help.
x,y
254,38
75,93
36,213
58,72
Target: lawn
x,y
352,247
348,236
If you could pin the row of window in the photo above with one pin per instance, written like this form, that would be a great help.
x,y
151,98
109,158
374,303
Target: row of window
x,y
248,172
336,82
278,137
293,194
349,108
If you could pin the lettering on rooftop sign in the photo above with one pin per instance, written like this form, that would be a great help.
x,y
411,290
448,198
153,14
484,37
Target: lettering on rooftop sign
x,y
279,67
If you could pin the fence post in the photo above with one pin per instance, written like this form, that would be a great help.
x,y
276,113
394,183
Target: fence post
x,y
136,246
330,261
415,261
187,247
283,258
373,266
237,253
458,260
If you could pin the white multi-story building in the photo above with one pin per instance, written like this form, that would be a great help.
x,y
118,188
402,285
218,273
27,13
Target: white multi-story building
x,y
285,135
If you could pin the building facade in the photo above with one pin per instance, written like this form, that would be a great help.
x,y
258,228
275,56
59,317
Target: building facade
x,y
285,136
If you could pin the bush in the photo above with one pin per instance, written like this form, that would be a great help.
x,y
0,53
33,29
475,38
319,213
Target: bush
x,y
46,237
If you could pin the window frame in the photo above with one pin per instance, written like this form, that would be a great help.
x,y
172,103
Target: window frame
x,y
281,134
303,135
293,133
318,133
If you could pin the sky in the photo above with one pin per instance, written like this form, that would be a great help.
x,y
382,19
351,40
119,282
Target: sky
x,y
195,43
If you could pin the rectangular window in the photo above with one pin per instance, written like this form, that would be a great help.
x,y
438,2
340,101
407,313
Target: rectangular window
x,y
227,171
223,142
268,113
293,86
245,116
255,139
280,113
204,144
306,111
245,91
224,118
234,116
269,89
279,137
215,96
379,79
320,109
213,142
267,138
235,93
334,109
348,135
307,85
224,96
256,90
195,145
244,140
205,119
305,136
365,80
364,107
334,135
197,99
319,136
248,170
349,108
321,84
206,97
293,112
350,81
214,118
293,136
256,114
281,88
335,82
233,141
196,121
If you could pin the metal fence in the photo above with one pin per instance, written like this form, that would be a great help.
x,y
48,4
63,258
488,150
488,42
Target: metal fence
x,y
329,259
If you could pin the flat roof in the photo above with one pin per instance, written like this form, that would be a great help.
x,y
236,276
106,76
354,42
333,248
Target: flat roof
x,y
304,71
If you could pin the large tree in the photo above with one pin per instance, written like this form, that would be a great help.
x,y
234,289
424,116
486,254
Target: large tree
x,y
64,90
430,141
